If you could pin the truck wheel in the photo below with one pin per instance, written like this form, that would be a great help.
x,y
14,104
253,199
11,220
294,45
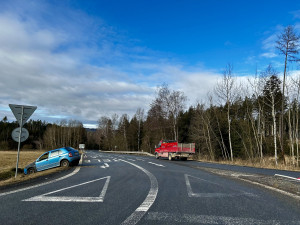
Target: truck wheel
x,y
156,156
184,158
170,157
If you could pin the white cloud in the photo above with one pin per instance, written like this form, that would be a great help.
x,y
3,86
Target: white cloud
x,y
69,74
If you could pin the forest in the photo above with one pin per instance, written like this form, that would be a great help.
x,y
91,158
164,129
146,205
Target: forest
x,y
250,119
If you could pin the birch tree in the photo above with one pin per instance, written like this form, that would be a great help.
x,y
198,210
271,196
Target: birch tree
x,y
288,44
226,89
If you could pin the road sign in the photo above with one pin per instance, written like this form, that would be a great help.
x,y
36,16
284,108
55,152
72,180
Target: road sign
x,y
22,112
16,133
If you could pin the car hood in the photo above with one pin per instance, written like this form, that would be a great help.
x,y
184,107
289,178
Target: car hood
x,y
30,165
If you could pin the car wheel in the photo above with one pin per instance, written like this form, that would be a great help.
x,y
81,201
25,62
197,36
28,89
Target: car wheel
x,y
156,156
64,163
30,171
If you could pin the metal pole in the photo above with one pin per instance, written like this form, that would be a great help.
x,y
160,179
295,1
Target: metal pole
x,y
19,144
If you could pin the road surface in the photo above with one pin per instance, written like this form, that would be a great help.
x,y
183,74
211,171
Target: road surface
x,y
125,189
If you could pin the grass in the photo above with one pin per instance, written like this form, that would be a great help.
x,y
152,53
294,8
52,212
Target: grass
x,y
8,160
267,162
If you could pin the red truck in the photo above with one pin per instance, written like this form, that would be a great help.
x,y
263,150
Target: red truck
x,y
173,149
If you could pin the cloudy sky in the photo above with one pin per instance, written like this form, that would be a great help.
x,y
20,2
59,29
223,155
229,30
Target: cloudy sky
x,y
86,59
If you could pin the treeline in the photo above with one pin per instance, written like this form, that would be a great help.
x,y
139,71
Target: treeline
x,y
43,135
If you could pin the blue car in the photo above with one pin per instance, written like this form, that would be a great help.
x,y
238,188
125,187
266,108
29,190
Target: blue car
x,y
59,157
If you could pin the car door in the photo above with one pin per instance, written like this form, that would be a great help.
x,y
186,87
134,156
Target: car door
x,y
54,158
42,162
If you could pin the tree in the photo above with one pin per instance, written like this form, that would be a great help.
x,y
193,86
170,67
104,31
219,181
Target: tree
x,y
169,104
140,117
288,45
227,91
272,98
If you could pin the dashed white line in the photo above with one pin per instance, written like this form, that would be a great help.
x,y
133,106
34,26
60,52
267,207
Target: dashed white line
x,y
106,160
156,164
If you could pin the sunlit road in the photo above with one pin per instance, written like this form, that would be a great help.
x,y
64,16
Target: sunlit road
x,y
123,189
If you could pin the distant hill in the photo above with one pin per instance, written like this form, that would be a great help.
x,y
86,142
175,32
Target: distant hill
x,y
90,129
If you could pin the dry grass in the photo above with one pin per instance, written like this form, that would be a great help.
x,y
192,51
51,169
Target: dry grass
x,y
8,160
267,162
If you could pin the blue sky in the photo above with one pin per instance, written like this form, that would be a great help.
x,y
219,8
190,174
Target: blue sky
x,y
87,59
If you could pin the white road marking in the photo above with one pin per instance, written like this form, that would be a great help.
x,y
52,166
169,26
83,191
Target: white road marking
x,y
149,200
106,160
156,164
208,219
42,184
105,166
131,160
293,178
99,160
88,161
44,198
210,195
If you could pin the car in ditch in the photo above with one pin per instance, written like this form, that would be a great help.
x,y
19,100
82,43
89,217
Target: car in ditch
x,y
63,157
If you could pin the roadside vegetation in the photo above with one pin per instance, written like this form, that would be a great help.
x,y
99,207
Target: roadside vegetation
x,y
253,123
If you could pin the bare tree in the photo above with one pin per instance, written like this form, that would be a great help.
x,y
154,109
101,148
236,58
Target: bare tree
x,y
227,91
170,103
257,89
288,45
140,117
272,97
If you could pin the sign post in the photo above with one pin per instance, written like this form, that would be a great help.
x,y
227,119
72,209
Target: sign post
x,y
22,114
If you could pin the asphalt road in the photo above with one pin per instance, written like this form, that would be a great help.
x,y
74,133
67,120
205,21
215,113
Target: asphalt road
x,y
124,189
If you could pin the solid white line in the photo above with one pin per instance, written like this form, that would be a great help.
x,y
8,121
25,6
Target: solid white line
x,y
156,164
293,178
149,200
44,198
42,184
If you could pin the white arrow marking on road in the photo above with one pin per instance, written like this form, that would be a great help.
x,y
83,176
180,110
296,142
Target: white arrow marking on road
x,y
44,198
156,164
105,166
210,195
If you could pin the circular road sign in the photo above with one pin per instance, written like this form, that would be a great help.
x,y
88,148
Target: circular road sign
x,y
16,132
